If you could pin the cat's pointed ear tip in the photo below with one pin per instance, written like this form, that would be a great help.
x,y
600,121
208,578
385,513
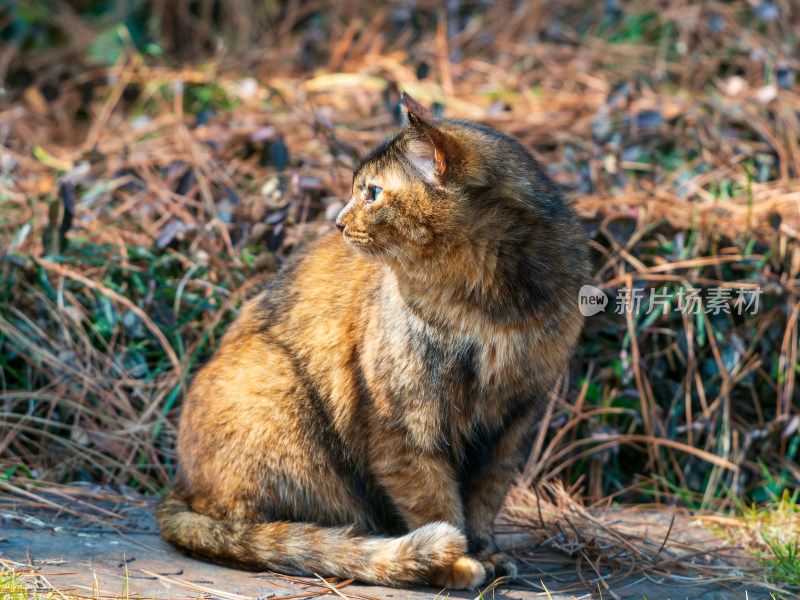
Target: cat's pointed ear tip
x,y
413,108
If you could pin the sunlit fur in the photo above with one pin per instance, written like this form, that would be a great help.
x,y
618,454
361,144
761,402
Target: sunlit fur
x,y
364,415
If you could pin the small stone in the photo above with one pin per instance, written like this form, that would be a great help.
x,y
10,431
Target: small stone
x,y
201,256
248,88
767,94
270,186
734,86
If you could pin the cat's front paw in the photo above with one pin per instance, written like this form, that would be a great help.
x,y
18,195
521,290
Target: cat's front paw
x,y
499,564
464,574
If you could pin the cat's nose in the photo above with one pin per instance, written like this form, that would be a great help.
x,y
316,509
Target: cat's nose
x,y
340,224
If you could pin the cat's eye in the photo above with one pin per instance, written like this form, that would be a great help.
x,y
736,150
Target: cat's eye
x,y
374,193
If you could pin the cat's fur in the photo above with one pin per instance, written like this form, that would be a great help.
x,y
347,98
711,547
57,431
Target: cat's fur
x,y
364,415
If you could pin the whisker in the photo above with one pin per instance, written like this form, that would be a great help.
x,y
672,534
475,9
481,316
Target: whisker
x,y
388,247
398,248
395,246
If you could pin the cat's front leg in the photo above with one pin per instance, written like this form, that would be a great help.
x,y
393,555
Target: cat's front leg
x,y
418,477
423,487
485,490
484,499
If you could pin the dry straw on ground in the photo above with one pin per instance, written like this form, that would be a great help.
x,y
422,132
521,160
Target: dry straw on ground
x,y
558,540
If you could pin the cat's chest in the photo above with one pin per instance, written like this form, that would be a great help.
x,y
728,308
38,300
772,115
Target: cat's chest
x,y
486,362
443,383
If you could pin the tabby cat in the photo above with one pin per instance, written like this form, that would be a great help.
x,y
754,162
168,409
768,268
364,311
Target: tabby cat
x,y
364,415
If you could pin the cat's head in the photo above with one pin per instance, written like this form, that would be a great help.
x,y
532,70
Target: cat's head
x,y
406,198
441,185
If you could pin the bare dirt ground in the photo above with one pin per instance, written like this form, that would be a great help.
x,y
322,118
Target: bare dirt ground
x,y
112,549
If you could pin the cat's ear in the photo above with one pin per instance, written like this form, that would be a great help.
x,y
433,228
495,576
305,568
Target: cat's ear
x,y
429,149
411,110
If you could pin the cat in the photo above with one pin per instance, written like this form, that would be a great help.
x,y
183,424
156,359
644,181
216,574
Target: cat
x,y
364,415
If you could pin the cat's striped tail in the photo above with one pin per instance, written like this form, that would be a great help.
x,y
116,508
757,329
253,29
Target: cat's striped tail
x,y
432,554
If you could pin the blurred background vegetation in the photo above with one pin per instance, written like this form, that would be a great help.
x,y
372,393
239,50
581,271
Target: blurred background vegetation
x,y
159,160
